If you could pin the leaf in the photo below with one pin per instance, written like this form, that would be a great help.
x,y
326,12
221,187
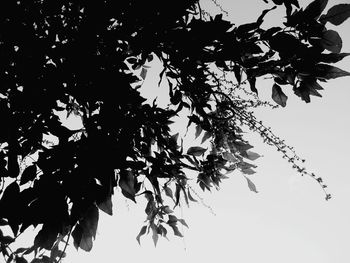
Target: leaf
x,y
176,230
3,222
106,206
331,41
177,194
172,219
252,82
6,240
182,221
143,73
89,222
127,184
337,14
332,58
162,231
206,136
238,73
46,237
196,151
325,71
28,174
190,196
154,234
167,209
141,233
168,191
315,9
80,239
252,155
198,130
278,96
251,185
85,230
21,260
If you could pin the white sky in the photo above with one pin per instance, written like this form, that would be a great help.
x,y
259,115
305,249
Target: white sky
x,y
288,220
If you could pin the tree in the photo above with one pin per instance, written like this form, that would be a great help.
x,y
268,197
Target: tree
x,y
89,59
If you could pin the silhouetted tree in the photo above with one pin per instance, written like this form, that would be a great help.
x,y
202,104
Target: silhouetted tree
x,y
89,59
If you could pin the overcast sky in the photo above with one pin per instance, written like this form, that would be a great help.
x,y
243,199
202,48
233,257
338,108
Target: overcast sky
x,y
288,220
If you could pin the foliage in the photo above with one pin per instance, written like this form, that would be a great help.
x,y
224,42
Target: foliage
x,y
89,59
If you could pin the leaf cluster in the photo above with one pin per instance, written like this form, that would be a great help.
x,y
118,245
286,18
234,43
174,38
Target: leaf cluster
x,y
89,59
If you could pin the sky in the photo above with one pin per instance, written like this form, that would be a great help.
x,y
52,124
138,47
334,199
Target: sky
x,y
288,220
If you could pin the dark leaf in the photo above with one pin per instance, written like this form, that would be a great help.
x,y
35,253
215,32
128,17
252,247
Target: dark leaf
x,y
143,73
21,260
324,71
106,206
278,96
198,130
190,196
331,41
332,58
315,9
337,14
3,222
238,73
127,184
168,191
81,239
252,82
89,222
177,194
6,239
28,174
141,233
206,136
46,237
196,151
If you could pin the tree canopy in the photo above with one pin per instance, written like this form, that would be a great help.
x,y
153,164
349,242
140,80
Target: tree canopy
x,y
90,58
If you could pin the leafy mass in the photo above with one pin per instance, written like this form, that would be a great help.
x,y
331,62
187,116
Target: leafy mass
x,y
89,59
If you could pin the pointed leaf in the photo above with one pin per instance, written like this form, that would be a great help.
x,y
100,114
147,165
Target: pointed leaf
x,y
176,230
168,191
28,174
337,14
315,8
198,130
190,196
154,234
324,71
182,221
196,151
251,185
206,136
332,58
141,233
278,96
